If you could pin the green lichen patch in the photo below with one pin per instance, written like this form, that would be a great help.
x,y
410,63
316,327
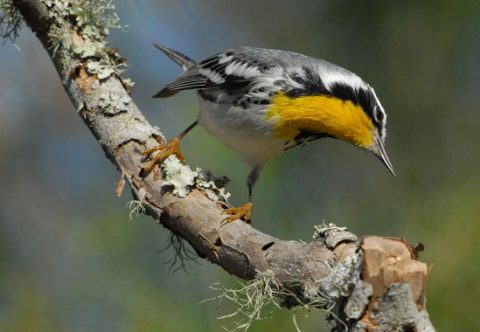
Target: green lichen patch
x,y
81,27
213,192
113,103
179,176
94,17
340,281
183,179
333,235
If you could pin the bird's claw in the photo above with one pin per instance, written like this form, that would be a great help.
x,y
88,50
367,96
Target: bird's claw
x,y
163,152
243,213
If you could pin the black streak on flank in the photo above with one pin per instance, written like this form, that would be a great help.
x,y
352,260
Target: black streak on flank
x,y
303,138
306,136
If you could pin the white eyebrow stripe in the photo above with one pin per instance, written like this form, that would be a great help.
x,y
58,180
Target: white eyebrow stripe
x,y
332,75
331,78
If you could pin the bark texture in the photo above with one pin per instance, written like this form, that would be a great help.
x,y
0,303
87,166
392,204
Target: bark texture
x,y
369,284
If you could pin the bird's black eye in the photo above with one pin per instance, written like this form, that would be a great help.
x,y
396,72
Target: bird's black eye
x,y
378,114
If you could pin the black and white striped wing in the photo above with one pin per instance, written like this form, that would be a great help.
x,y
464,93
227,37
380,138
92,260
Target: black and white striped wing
x,y
224,70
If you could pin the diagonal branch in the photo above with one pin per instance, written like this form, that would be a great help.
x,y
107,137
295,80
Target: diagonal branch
x,y
371,285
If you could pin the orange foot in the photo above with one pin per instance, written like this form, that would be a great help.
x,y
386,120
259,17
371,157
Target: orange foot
x,y
243,213
164,151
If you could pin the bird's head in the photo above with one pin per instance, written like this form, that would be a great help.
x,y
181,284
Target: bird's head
x,y
361,118
336,104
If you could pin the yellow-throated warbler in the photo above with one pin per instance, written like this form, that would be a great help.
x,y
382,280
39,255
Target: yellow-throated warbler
x,y
260,102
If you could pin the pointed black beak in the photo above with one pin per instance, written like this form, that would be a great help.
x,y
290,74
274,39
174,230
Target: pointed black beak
x,y
379,151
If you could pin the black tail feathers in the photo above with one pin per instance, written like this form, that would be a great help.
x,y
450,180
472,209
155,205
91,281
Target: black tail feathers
x,y
181,59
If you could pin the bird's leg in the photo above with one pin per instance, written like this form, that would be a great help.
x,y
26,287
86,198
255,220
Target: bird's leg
x,y
245,211
166,150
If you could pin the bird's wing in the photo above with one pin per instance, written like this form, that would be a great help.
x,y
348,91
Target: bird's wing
x,y
230,71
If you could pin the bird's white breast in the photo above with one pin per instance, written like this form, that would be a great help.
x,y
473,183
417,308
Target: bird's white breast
x,y
246,131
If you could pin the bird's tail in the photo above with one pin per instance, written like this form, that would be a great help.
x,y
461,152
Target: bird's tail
x,y
181,59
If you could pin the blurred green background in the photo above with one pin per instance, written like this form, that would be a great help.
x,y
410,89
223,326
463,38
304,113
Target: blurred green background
x,y
70,258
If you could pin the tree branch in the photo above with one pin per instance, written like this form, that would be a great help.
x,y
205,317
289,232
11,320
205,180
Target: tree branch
x,y
373,284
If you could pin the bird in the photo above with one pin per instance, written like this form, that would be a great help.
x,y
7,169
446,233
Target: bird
x,y
261,102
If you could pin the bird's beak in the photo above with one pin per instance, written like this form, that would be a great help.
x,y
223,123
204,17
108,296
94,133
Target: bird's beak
x,y
379,150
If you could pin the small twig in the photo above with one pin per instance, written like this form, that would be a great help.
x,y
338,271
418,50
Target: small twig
x,y
121,184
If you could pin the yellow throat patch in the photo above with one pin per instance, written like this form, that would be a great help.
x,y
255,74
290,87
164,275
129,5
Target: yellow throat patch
x,y
321,115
